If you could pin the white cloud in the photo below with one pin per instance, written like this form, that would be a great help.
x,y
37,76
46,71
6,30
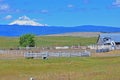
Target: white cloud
x,y
116,3
8,17
70,6
17,10
44,11
4,7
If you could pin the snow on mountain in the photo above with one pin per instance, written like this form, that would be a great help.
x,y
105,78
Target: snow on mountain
x,y
24,20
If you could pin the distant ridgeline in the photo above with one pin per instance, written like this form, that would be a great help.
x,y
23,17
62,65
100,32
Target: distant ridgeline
x,y
17,30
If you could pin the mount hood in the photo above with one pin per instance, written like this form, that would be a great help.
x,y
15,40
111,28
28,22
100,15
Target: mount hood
x,y
24,20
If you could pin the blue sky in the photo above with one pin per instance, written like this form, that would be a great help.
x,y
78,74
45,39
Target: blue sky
x,y
63,12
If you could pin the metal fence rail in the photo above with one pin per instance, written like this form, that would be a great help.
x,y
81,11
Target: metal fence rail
x,y
56,54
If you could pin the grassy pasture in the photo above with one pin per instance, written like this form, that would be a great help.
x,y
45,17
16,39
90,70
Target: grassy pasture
x,y
46,41
77,68
7,42
64,41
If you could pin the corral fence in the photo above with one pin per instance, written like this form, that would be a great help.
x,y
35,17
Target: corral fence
x,y
110,47
45,55
12,54
104,48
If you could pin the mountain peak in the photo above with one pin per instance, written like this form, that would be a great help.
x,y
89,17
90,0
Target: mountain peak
x,y
24,20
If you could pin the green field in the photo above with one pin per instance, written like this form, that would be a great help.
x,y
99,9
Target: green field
x,y
47,41
77,68
7,43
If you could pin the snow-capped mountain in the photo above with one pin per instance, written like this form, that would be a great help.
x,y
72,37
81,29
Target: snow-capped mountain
x,y
24,20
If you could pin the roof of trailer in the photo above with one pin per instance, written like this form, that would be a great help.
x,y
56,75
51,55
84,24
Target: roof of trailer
x,y
114,36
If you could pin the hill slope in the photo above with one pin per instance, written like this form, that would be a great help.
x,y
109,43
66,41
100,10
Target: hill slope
x,y
15,30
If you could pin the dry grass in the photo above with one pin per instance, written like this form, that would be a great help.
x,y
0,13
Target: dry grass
x,y
78,34
98,67
89,68
106,54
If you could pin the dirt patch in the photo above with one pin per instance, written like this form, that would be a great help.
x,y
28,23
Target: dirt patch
x,y
80,34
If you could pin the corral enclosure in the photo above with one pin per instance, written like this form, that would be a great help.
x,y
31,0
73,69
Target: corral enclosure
x,y
45,55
